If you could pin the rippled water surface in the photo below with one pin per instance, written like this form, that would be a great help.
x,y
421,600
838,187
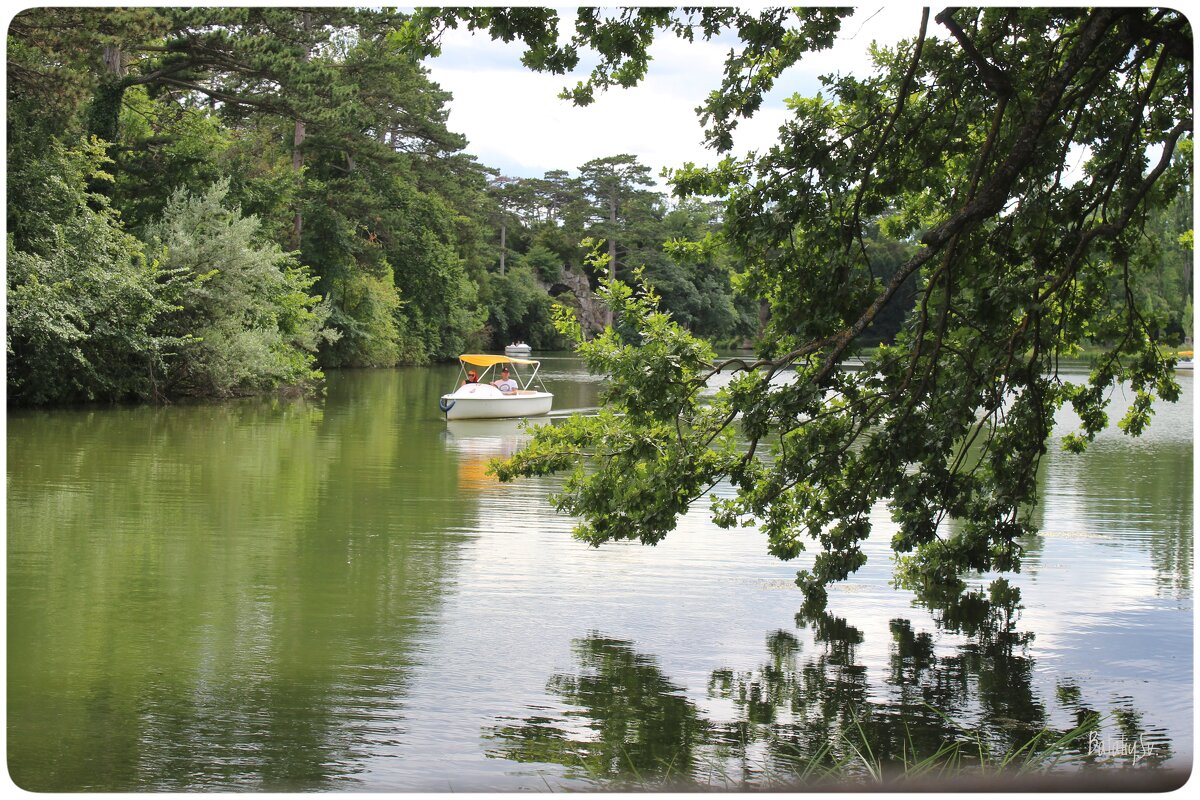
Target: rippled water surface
x,y
333,594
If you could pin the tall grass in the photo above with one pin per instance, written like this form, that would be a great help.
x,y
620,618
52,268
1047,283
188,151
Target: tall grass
x,y
849,761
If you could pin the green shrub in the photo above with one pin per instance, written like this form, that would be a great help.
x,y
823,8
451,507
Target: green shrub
x,y
83,301
365,312
245,303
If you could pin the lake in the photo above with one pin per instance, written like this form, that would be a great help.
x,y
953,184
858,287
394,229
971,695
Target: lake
x,y
332,594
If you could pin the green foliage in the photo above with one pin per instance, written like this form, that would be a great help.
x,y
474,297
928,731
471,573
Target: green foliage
x,y
631,471
518,308
544,262
692,268
427,267
391,216
384,204
261,178
245,302
365,313
55,63
615,202
83,301
163,144
1162,263
680,247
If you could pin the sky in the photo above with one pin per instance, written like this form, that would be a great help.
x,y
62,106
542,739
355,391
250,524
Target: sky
x,y
514,120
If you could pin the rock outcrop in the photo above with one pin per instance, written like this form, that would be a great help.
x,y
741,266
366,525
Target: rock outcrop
x,y
572,289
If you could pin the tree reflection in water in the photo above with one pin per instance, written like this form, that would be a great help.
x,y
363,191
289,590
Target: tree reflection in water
x,y
627,724
627,719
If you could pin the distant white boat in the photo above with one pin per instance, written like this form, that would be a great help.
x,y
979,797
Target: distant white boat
x,y
518,349
476,398
1185,363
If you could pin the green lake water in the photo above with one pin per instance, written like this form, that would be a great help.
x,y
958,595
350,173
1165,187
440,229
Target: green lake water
x,y
332,594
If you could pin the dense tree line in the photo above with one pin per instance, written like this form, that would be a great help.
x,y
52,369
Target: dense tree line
x,y
558,220
224,201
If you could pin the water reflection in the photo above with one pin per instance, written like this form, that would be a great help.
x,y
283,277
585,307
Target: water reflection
x,y
333,594
221,595
627,719
810,710
1152,512
477,442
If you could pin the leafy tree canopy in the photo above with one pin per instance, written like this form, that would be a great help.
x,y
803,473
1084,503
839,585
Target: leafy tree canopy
x,y
327,129
963,143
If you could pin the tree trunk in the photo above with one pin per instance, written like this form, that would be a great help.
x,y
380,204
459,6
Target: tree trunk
x,y
297,142
297,166
612,247
105,110
503,245
112,60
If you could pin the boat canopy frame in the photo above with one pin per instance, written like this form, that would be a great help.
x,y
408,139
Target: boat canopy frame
x,y
490,362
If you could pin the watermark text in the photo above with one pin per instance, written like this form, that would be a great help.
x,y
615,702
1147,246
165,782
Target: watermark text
x,y
1137,749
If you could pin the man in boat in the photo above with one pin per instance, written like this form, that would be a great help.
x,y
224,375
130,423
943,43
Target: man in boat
x,y
505,384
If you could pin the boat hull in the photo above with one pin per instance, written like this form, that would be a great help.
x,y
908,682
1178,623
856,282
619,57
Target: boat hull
x,y
531,404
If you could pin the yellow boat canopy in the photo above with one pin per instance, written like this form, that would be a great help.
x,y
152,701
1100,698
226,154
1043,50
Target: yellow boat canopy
x,y
482,360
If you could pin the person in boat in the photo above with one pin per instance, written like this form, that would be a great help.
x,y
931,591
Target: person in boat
x,y
505,384
472,377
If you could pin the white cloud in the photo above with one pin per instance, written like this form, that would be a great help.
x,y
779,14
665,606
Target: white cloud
x,y
515,121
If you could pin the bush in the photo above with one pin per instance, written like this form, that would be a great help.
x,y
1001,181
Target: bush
x,y
365,310
83,301
244,303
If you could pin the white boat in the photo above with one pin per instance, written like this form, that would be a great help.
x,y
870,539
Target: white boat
x,y
479,399
518,349
1184,362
